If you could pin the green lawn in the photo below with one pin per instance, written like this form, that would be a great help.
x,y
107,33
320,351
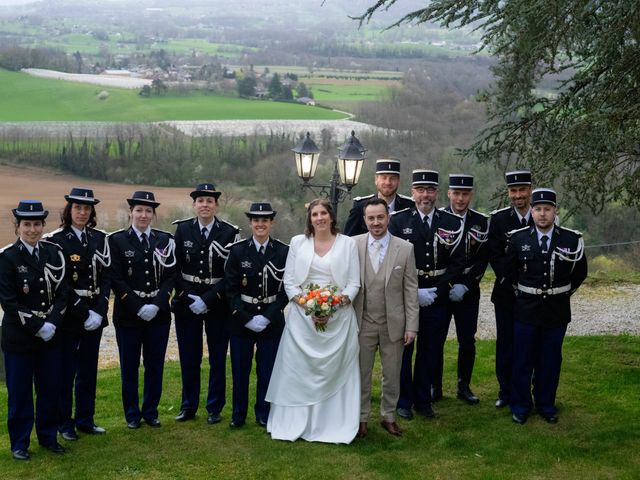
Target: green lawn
x,y
597,436
337,92
27,98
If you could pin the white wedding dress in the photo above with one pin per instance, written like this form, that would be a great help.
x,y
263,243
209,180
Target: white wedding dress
x,y
315,385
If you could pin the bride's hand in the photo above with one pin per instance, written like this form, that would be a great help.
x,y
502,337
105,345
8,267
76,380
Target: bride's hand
x,y
320,320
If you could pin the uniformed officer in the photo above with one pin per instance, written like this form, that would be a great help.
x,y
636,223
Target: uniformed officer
x,y
546,264
86,252
464,296
33,295
503,221
254,272
437,237
201,250
142,277
387,181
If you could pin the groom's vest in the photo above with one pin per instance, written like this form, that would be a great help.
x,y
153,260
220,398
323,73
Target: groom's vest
x,y
374,308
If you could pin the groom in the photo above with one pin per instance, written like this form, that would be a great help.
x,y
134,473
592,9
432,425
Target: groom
x,y
387,310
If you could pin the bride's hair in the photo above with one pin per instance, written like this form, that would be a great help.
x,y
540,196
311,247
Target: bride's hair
x,y
308,230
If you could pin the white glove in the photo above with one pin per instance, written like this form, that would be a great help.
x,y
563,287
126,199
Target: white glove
x,y
254,325
198,306
426,296
93,322
47,331
148,312
262,320
457,292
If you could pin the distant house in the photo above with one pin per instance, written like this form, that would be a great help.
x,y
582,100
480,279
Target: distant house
x,y
306,100
260,92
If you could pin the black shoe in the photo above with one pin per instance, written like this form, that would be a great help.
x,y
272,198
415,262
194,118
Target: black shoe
x,y
152,422
236,423
185,415
519,418
21,455
69,436
465,394
436,394
213,418
405,413
500,403
425,411
261,422
94,430
54,448
550,418
133,424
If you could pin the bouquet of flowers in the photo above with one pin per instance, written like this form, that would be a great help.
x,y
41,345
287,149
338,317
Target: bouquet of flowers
x,y
320,303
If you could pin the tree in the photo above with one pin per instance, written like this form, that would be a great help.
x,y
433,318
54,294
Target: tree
x,y
275,86
246,86
584,131
302,90
78,58
286,94
145,92
158,86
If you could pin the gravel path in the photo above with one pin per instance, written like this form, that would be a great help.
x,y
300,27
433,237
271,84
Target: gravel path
x,y
596,310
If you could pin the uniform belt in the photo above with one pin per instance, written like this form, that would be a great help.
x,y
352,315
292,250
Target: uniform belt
x,y
87,293
42,314
145,294
206,281
544,291
431,273
248,299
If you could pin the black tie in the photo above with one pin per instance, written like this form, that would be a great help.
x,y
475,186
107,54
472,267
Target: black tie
x,y
203,234
83,239
523,222
261,251
35,254
425,221
143,241
543,243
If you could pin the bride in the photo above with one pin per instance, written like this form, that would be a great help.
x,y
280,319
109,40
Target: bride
x,y
315,386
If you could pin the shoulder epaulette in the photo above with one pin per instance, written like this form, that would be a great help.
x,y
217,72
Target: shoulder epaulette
x,y
280,241
51,243
365,197
6,247
400,211
104,232
479,213
235,227
516,230
499,210
577,232
117,231
51,234
242,240
406,197
162,231
175,222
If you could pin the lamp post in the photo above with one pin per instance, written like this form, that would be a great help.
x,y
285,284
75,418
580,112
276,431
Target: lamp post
x,y
346,170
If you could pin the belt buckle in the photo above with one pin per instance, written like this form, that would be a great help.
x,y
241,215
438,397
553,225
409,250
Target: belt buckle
x,y
540,291
196,279
254,300
207,281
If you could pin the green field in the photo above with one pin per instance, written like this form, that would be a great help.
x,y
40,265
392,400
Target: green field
x,y
336,92
597,436
27,98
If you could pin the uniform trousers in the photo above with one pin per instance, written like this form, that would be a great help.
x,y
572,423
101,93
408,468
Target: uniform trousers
x,y
372,337
465,316
189,335
150,340
79,374
24,370
242,349
505,314
429,345
536,349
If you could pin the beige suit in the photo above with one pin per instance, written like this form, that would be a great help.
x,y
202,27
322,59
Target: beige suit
x,y
400,313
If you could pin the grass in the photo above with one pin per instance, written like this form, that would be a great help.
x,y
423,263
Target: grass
x,y
352,91
597,436
28,98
